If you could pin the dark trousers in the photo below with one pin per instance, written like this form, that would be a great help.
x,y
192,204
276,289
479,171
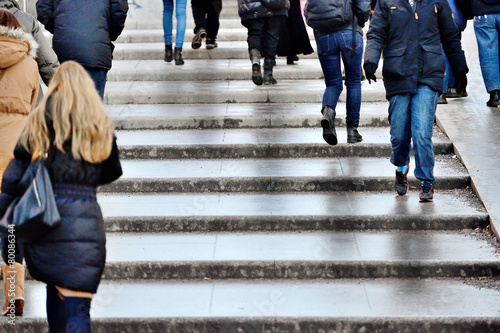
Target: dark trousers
x,y
69,316
16,251
263,35
206,15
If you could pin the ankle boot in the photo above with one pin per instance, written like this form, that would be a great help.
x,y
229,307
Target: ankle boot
x,y
268,71
168,53
13,288
328,124
178,56
353,134
494,98
256,73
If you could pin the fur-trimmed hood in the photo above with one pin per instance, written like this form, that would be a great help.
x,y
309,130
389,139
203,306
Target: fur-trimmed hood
x,y
15,44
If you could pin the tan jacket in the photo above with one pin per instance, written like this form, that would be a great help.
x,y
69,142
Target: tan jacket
x,y
19,79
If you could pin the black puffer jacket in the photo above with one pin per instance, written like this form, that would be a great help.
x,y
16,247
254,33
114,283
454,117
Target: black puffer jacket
x,y
83,30
73,254
479,8
253,9
411,42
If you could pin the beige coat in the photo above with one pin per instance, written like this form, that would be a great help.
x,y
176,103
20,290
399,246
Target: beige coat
x,y
19,84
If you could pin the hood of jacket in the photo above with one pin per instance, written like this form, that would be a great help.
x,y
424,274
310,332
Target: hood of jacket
x,y
15,44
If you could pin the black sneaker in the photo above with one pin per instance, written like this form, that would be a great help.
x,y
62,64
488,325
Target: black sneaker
x,y
210,43
198,38
442,99
453,93
402,186
426,191
494,98
328,124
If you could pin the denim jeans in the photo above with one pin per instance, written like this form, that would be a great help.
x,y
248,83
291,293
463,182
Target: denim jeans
x,y
99,78
449,78
69,316
180,15
331,48
412,118
487,28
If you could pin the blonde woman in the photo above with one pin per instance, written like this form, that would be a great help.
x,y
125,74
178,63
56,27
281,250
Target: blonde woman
x,y
19,82
72,131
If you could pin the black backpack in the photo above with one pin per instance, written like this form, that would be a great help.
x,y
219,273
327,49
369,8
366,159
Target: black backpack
x,y
328,15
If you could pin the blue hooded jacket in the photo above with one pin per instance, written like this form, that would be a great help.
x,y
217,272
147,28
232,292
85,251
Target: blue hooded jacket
x,y
83,30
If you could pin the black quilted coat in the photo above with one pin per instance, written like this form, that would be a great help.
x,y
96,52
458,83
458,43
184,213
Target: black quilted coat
x,y
73,254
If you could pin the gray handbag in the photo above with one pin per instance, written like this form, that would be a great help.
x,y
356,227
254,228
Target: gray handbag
x,y
32,215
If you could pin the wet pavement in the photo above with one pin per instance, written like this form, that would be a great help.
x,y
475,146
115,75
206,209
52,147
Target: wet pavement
x,y
474,129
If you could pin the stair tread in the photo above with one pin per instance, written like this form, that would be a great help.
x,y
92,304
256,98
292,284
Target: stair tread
x,y
401,299
400,246
253,136
454,203
171,111
313,168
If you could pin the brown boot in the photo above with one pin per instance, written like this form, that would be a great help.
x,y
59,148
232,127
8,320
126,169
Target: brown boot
x,y
13,288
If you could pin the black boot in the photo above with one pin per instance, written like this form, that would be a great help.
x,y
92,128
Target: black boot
x,y
494,98
256,73
268,71
178,56
328,124
168,53
353,134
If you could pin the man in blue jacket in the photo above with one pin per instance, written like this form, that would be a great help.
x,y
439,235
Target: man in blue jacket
x,y
83,32
410,33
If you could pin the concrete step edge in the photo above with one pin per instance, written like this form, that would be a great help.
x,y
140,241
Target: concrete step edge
x,y
192,270
272,184
295,223
264,151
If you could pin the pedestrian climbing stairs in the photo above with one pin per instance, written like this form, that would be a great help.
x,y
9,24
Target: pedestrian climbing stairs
x,y
233,214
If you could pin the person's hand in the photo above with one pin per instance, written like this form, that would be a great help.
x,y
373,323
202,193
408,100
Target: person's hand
x,y
461,82
370,72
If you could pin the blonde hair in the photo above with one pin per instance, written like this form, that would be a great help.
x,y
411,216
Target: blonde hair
x,y
77,114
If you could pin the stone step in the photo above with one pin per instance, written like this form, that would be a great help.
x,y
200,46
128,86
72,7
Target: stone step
x,y
231,115
157,24
201,212
234,91
225,34
310,255
208,70
156,51
275,175
258,143
402,305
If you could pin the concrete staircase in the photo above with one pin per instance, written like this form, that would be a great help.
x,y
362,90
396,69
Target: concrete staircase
x,y
233,214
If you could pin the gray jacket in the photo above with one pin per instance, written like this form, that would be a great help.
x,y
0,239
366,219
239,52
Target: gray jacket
x,y
46,57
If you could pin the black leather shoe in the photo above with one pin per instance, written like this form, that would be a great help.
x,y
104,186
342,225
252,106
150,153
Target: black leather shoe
x,y
353,135
168,53
328,124
178,56
494,98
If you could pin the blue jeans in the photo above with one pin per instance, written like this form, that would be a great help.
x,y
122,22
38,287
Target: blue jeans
x,y
99,78
449,78
412,118
180,15
69,316
487,28
331,48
